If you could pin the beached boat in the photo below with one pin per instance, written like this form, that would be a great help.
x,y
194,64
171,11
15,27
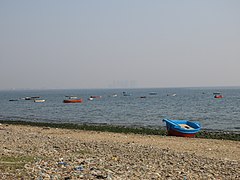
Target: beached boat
x,y
39,100
73,100
183,128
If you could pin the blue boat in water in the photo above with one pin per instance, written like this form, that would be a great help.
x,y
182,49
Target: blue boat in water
x,y
183,128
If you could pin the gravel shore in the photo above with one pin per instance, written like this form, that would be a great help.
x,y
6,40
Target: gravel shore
x,y
50,153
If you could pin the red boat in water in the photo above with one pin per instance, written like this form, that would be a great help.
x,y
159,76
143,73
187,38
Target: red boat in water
x,y
217,95
73,100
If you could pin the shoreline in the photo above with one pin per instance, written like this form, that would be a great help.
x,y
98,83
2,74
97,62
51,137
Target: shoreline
x,y
206,134
34,152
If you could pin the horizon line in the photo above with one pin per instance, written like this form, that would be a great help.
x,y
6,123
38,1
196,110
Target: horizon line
x,y
107,88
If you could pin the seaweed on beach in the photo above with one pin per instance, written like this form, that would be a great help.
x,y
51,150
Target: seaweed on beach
x,y
90,127
207,134
222,135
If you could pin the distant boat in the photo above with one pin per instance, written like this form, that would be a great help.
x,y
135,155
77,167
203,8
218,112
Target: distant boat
x,y
13,99
217,95
152,93
27,98
126,94
96,97
182,128
32,98
73,100
90,99
39,100
72,97
171,94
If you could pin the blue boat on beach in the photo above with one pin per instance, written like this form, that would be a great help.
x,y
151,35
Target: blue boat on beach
x,y
183,128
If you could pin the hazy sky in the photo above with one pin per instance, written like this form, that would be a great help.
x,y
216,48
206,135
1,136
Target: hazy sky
x,y
125,43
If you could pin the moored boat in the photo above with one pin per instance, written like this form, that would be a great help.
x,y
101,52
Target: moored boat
x,y
71,97
183,128
218,96
96,97
13,99
39,100
172,95
152,93
32,98
126,94
73,100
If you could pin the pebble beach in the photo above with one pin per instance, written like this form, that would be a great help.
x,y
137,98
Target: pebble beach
x,y
29,152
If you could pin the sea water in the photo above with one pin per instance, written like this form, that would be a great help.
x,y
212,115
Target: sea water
x,y
139,109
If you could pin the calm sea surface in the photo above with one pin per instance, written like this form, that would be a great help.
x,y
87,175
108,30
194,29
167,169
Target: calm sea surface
x,y
195,104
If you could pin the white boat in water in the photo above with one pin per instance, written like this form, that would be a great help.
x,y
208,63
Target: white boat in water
x,y
72,97
171,95
39,100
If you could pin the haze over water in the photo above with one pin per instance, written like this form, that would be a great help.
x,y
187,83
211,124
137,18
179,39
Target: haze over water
x,y
79,44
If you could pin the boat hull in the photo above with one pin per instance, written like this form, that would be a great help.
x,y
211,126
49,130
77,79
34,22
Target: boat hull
x,y
182,128
218,96
172,132
96,97
72,101
39,100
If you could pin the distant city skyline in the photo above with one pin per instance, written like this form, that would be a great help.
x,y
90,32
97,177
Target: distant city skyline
x,y
88,44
